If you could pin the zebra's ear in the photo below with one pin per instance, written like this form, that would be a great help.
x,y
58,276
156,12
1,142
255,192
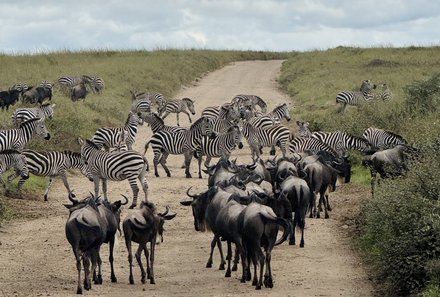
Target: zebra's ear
x,y
53,105
80,141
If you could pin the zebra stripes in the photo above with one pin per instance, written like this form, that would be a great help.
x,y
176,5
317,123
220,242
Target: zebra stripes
x,y
250,101
269,137
309,145
156,123
280,112
303,129
383,139
355,98
114,137
219,146
13,158
97,84
211,112
115,166
178,106
143,102
24,114
384,94
185,142
53,164
228,116
18,138
341,141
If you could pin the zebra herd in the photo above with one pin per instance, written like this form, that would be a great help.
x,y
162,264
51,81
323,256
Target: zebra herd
x,y
365,94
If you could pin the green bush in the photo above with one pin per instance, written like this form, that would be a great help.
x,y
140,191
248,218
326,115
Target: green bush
x,y
424,96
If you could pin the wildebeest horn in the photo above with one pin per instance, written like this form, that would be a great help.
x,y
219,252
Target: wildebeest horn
x,y
189,195
126,199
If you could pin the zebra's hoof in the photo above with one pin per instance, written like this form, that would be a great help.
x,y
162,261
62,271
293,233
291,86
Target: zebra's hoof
x,y
132,206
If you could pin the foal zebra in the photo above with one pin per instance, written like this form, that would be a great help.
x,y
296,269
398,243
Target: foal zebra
x,y
156,123
383,139
269,137
219,146
116,166
185,142
21,115
18,138
249,101
13,158
341,141
357,97
142,102
114,137
178,106
53,164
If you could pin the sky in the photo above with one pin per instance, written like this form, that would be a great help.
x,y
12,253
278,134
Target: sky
x,y
32,26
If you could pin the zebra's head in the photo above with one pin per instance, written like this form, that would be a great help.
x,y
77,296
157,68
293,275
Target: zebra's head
x,y
282,111
87,147
206,126
304,130
367,86
236,136
18,162
190,104
38,127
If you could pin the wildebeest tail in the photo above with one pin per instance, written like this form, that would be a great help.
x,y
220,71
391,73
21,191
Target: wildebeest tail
x,y
287,226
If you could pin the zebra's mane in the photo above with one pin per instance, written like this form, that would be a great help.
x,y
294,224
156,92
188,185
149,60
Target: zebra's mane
x,y
396,135
28,122
91,143
187,99
71,153
157,117
9,151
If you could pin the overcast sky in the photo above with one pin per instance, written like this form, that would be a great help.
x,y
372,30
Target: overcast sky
x,y
274,25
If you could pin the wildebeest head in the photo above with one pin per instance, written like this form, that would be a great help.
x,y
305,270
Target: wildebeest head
x,y
199,204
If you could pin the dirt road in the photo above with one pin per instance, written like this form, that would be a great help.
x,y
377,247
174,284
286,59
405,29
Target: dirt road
x,y
36,259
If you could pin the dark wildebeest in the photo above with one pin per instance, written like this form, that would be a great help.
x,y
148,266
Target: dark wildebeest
x,y
142,226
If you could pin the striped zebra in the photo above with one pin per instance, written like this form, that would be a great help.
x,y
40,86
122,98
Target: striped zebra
x,y
384,93
250,101
115,166
280,112
43,111
355,98
219,146
382,139
143,102
211,112
53,164
156,123
341,141
228,117
67,82
97,84
258,138
13,158
46,84
185,142
303,129
17,138
114,137
309,145
178,106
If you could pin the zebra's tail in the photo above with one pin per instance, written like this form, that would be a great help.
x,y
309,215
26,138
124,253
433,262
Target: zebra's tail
x,y
146,147
146,161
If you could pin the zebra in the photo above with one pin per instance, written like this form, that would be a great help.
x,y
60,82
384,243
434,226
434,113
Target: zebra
x,y
97,84
19,137
211,112
269,137
303,129
185,142
178,106
228,117
219,146
356,97
249,101
142,102
382,139
309,145
53,164
156,123
341,141
114,137
280,112
13,158
384,93
115,166
46,84
67,82
21,115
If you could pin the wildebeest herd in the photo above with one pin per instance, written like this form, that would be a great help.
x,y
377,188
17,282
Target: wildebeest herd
x,y
244,205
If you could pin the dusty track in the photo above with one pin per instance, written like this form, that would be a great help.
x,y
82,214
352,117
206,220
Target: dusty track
x,y
36,259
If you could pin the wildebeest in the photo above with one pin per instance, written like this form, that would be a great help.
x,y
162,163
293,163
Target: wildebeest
x,y
37,94
79,92
8,98
142,226
85,233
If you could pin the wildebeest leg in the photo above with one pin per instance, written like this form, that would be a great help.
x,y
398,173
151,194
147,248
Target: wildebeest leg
x,y
110,259
86,265
96,259
153,246
268,281
138,255
322,198
255,263
261,259
76,252
188,158
329,208
313,206
236,259
292,240
148,262
130,258
228,257
134,189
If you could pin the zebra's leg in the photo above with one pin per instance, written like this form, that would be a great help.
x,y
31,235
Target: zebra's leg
x,y
163,161
134,189
165,115
144,184
104,188
155,162
49,184
187,113
199,159
96,181
187,164
177,116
